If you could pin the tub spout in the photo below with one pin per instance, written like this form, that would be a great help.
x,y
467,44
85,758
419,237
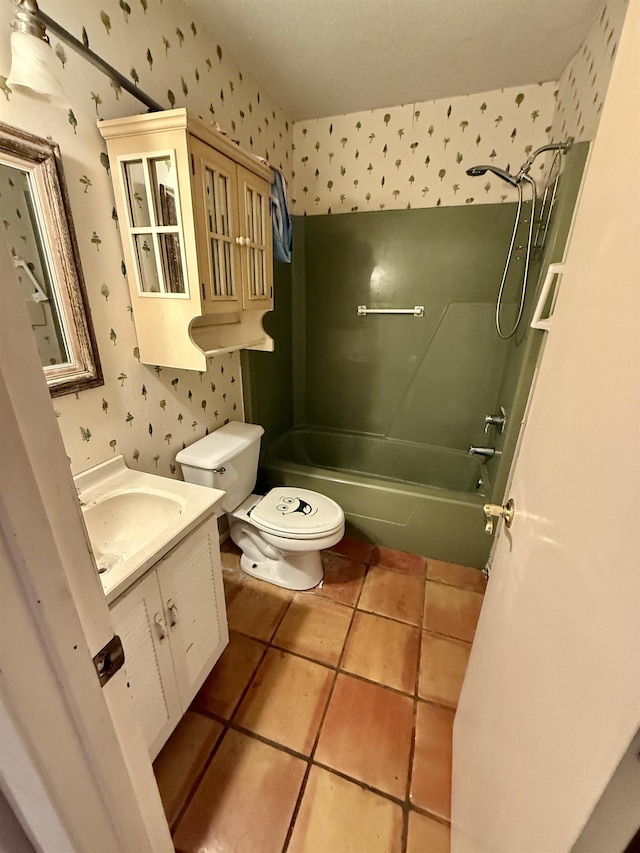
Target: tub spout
x,y
484,452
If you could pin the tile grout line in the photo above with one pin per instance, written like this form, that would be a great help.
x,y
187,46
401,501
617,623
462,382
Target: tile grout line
x,y
337,669
416,697
310,760
226,725
432,633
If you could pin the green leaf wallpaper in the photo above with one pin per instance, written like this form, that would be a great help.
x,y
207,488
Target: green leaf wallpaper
x,y
145,413
582,86
416,155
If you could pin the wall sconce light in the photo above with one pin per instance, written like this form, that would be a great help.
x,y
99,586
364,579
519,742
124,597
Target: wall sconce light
x,y
31,55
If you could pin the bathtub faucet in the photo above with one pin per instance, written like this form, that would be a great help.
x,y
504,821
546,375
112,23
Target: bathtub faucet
x,y
484,452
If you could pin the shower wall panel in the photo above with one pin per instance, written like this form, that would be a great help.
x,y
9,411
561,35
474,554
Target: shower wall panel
x,y
428,379
267,376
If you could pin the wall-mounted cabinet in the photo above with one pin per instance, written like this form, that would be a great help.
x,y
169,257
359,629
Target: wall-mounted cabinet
x,y
194,216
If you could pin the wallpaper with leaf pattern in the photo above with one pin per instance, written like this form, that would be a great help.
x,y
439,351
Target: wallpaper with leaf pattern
x,y
417,155
144,413
582,86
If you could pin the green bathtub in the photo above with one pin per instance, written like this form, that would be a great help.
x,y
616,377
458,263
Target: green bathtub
x,y
417,498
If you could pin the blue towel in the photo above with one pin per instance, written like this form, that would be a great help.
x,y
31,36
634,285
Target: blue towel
x,y
281,218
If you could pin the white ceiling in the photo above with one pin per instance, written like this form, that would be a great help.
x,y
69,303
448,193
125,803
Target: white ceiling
x,y
327,57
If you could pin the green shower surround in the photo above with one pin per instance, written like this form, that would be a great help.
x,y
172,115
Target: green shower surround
x,y
524,347
429,380
267,382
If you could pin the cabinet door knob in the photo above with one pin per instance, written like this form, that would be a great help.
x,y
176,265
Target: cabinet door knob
x,y
241,241
158,621
173,612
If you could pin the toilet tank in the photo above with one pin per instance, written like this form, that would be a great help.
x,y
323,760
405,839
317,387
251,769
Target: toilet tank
x,y
234,447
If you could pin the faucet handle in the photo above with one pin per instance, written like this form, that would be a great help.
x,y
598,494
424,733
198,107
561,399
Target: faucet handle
x,y
496,420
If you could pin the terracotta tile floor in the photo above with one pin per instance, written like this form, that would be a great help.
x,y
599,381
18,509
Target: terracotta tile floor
x,y
326,725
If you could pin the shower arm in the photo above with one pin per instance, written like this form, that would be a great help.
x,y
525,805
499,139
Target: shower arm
x,y
553,146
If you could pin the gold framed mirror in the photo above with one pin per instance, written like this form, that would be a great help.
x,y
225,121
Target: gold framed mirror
x,y
36,224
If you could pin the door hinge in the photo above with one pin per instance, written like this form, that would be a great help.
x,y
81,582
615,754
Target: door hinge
x,y
204,290
109,660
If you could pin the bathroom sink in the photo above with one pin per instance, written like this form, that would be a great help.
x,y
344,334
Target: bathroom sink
x,y
133,519
115,528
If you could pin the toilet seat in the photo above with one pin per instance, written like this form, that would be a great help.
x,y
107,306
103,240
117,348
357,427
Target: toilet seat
x,y
294,513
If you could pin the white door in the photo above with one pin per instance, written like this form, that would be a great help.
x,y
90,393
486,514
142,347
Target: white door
x,y
73,765
551,699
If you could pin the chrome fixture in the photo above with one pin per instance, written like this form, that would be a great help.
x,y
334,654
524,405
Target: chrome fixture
x,y
477,171
417,311
484,452
517,180
29,20
561,147
514,180
492,511
498,421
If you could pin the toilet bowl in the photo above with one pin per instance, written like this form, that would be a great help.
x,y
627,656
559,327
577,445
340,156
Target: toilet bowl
x,y
281,533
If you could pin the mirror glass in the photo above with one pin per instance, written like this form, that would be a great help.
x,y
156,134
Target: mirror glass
x,y
36,226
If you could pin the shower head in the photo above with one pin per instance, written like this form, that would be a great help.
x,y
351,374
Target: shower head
x,y
476,171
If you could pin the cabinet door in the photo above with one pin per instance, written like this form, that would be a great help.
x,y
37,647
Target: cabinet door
x,y
217,228
152,204
138,618
190,580
256,247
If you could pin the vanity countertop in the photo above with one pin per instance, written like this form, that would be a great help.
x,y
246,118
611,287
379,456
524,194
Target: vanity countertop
x,y
134,519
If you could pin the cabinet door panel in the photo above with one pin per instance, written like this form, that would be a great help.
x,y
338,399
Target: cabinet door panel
x,y
191,585
136,193
148,660
150,184
257,250
216,226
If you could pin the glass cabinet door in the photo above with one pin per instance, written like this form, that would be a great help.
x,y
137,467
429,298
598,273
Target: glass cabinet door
x,y
151,187
219,222
255,239
215,196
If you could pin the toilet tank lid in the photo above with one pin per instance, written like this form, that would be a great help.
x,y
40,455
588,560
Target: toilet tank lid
x,y
220,446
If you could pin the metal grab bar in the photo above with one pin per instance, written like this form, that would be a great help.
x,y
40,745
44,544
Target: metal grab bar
x,y
418,311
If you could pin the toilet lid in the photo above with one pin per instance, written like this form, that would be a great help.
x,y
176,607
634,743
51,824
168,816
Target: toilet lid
x,y
297,513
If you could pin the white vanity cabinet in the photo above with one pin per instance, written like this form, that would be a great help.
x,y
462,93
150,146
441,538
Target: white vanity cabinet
x,y
195,221
173,627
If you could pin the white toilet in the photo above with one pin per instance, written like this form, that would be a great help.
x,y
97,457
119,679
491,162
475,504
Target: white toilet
x,y
281,534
